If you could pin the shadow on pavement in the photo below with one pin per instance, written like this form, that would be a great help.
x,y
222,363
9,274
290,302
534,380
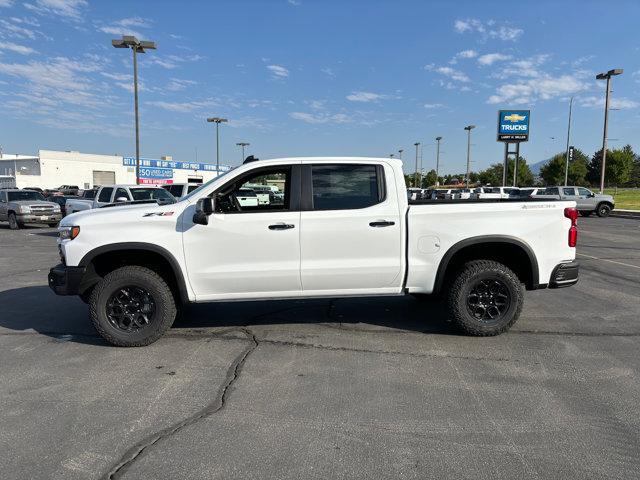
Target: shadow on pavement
x,y
37,308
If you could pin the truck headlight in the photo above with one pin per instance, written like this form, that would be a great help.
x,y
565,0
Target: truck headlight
x,y
56,207
68,233
25,209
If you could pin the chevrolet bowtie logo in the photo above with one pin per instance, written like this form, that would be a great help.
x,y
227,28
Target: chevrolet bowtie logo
x,y
514,117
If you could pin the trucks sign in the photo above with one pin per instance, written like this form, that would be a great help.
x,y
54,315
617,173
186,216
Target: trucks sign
x,y
513,125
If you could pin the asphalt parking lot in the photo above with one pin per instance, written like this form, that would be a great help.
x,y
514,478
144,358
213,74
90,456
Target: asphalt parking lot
x,y
376,388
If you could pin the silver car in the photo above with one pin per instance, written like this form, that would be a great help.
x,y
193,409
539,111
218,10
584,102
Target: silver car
x,y
587,202
27,206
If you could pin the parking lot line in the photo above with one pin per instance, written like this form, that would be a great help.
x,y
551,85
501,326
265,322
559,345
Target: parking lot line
x,y
610,261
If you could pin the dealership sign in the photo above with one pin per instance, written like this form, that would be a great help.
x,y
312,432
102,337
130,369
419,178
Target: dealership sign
x,y
156,175
513,125
170,164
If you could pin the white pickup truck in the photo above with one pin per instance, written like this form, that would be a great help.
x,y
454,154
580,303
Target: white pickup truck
x,y
344,228
109,194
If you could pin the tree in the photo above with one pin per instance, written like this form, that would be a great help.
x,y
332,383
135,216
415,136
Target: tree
x,y
619,166
553,171
429,179
493,174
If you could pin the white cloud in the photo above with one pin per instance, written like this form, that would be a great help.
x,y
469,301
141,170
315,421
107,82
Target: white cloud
x,y
464,54
365,97
543,87
319,118
70,9
433,105
621,103
184,107
12,47
491,58
177,84
6,3
294,2
278,71
126,26
449,72
487,30
328,72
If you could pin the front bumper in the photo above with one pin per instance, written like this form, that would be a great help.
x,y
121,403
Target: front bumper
x,y
564,275
34,218
65,280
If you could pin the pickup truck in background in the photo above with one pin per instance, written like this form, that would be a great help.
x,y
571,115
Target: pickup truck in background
x,y
587,202
68,189
19,207
493,192
109,194
179,190
344,228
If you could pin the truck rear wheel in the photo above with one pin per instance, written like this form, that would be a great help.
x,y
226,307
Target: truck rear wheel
x,y
485,298
132,306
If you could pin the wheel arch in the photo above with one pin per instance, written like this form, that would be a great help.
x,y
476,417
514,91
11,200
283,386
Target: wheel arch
x,y
511,251
99,261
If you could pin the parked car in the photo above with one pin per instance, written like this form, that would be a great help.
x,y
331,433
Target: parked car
x,y
587,201
493,192
110,194
50,192
61,200
344,229
525,192
68,189
179,190
19,207
35,189
445,193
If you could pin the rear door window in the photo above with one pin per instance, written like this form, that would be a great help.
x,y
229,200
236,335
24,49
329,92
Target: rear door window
x,y
568,191
105,195
346,187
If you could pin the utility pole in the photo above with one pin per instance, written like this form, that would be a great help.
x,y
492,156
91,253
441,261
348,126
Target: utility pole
x,y
468,128
217,121
566,167
606,76
438,160
417,145
138,46
242,145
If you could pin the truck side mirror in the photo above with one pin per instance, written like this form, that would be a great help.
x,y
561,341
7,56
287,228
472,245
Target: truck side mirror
x,y
204,208
122,199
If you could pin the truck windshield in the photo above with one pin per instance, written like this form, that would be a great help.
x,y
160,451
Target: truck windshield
x,y
150,194
24,195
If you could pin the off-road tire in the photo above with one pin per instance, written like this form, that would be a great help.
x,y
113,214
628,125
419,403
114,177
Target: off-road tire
x,y
603,210
53,225
13,222
461,285
132,276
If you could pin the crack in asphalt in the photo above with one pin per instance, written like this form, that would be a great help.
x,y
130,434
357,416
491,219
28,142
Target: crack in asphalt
x,y
219,402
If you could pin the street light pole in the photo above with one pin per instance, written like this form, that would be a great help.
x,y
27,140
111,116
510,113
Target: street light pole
x,y
217,121
400,153
242,145
468,128
138,46
438,160
606,76
566,167
417,144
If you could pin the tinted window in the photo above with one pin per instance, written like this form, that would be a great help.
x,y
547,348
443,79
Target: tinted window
x,y
24,195
175,190
552,191
105,194
121,193
342,187
89,194
142,193
583,192
568,191
191,188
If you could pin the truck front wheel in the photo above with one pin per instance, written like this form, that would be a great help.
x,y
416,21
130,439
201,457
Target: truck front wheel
x,y
132,306
603,210
485,298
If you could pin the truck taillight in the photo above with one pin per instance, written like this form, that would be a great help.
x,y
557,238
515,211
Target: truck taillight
x,y
572,214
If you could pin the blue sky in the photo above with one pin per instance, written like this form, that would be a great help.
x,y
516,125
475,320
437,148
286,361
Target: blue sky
x,y
306,78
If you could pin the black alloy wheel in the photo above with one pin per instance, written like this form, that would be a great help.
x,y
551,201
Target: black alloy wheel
x,y
130,309
488,300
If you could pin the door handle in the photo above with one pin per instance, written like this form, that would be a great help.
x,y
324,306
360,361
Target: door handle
x,y
281,226
381,223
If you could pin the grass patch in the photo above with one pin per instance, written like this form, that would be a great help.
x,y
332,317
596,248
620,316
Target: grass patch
x,y
628,198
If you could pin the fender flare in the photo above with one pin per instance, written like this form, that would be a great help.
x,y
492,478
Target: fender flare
x,y
456,247
168,256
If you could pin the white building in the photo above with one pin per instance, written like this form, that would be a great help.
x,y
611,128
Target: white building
x,y
51,169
